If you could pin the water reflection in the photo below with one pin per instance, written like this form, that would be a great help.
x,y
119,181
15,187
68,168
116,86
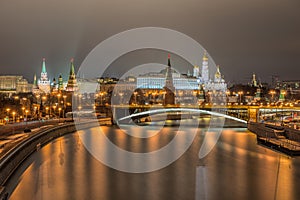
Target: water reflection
x,y
236,168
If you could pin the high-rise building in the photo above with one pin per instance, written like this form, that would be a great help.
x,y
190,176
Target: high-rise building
x,y
44,82
72,83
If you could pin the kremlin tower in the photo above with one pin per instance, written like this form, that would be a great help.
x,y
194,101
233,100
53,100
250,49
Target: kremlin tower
x,y
44,82
169,87
72,83
254,82
35,87
60,83
54,86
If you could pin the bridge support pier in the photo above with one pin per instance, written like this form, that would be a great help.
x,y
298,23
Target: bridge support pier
x,y
253,114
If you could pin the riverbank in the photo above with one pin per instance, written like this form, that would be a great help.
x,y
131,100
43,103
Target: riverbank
x,y
13,158
279,138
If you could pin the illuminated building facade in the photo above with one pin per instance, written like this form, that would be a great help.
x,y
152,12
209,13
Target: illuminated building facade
x,y
14,84
154,80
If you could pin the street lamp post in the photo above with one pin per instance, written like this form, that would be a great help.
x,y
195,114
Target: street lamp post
x,y
283,93
80,99
164,95
101,94
272,92
121,97
23,108
135,93
26,114
7,110
47,111
281,115
227,96
58,97
79,114
54,111
59,109
154,97
64,110
13,113
240,94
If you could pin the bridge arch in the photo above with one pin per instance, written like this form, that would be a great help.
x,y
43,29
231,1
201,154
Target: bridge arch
x,y
157,111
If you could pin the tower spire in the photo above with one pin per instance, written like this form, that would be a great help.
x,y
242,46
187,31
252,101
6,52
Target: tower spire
x,y
169,87
34,80
44,82
169,78
72,83
44,66
72,70
169,60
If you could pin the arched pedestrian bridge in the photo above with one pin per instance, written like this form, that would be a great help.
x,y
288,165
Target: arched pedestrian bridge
x,y
240,113
181,110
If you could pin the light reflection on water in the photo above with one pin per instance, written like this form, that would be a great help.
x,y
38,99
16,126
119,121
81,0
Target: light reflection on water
x,y
236,168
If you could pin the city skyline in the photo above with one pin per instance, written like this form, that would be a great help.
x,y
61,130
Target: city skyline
x,y
139,69
240,36
149,99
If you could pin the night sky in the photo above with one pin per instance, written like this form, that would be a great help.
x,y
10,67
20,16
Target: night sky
x,y
241,36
